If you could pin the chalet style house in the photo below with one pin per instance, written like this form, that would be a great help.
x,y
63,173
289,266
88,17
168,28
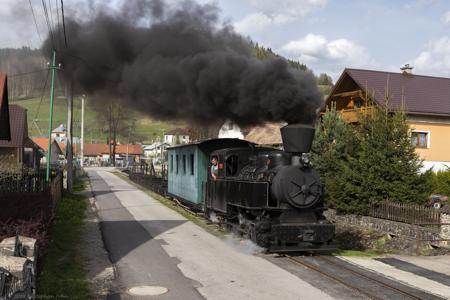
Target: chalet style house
x,y
425,99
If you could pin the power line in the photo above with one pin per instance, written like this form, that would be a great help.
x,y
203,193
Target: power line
x,y
35,22
64,23
59,26
26,73
48,23
43,93
52,24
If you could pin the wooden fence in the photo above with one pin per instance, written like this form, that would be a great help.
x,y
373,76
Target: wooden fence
x,y
28,197
406,213
23,183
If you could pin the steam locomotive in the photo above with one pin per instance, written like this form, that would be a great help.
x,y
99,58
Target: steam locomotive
x,y
273,196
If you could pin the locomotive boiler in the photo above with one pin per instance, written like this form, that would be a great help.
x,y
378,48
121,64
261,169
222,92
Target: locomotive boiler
x,y
272,195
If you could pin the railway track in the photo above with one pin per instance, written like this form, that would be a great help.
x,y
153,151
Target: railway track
x,y
365,283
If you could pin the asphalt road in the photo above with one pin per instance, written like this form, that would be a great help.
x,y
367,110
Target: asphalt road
x,y
150,244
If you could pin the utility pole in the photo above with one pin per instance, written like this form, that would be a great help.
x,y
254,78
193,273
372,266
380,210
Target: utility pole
x,y
128,143
82,131
53,68
69,149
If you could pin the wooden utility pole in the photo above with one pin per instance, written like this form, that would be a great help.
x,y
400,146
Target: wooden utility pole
x,y
53,69
82,132
69,149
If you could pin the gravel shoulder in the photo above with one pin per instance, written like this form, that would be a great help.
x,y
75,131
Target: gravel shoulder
x,y
100,271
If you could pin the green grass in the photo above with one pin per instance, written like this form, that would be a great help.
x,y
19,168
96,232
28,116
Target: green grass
x,y
360,253
38,115
200,221
63,274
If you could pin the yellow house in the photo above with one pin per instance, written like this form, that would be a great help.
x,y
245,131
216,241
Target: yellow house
x,y
425,99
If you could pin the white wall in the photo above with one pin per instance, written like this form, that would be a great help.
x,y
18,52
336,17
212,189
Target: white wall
x,y
435,165
230,130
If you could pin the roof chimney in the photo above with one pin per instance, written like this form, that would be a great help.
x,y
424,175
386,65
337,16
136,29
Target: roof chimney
x,y
406,69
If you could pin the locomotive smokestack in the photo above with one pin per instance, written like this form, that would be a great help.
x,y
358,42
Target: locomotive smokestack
x,y
297,139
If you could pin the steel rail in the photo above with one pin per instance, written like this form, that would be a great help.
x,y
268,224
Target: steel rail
x,y
348,285
371,278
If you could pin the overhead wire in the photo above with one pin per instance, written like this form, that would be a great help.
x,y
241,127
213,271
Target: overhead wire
x,y
35,22
64,23
26,73
47,20
43,94
59,25
52,24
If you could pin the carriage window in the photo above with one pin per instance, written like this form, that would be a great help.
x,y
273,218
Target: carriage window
x,y
184,164
176,159
171,163
192,164
232,165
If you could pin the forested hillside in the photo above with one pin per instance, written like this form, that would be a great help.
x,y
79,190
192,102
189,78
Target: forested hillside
x,y
26,69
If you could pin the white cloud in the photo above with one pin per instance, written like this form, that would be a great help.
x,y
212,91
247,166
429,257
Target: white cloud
x,y
435,60
287,8
269,12
446,17
330,56
253,23
316,48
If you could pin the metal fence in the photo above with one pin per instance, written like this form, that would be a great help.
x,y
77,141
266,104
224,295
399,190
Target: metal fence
x,y
406,213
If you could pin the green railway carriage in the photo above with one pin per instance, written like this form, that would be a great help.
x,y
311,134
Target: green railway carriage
x,y
189,168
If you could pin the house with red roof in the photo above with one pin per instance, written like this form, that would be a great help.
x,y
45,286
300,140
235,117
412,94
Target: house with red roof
x,y
56,150
96,154
425,100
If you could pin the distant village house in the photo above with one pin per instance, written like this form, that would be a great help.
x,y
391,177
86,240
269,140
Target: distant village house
x,y
98,154
177,136
230,130
56,151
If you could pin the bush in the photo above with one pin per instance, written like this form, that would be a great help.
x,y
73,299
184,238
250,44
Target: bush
x,y
441,183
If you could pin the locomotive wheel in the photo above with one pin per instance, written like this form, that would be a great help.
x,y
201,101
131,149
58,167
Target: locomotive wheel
x,y
260,239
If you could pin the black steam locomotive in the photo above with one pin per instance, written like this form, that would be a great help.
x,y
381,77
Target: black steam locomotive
x,y
273,196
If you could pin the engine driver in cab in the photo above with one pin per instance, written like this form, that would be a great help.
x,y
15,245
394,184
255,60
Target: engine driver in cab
x,y
214,167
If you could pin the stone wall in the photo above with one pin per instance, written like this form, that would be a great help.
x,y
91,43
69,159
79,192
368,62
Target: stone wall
x,y
432,234
17,257
445,229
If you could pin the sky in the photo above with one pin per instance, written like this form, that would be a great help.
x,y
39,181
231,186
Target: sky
x,y
326,35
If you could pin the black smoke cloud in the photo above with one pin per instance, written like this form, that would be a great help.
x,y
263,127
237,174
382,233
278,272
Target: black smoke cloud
x,y
178,62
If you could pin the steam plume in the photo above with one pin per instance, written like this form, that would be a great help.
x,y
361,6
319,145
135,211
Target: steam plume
x,y
180,63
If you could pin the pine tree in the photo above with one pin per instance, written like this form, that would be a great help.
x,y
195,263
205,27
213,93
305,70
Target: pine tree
x,y
385,167
332,142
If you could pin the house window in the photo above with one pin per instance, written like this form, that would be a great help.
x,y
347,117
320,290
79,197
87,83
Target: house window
x,y
358,103
192,164
184,164
176,158
420,139
171,163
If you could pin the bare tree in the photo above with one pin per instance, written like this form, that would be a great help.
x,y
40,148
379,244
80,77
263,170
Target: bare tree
x,y
119,122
